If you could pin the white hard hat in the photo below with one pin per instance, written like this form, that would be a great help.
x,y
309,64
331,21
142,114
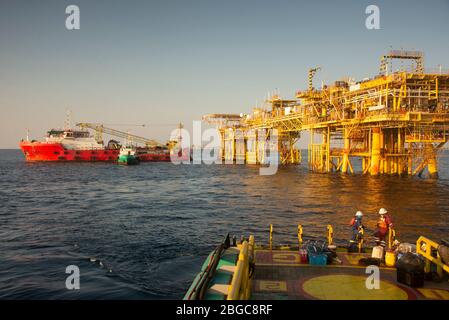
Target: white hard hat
x,y
383,211
359,214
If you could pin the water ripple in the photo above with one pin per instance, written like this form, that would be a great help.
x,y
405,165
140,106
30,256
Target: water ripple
x,y
142,232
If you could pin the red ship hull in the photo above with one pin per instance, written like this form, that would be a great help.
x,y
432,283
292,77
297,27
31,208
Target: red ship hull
x,y
149,157
45,151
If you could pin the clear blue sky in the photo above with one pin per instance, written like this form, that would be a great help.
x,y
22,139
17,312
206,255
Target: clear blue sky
x,y
169,61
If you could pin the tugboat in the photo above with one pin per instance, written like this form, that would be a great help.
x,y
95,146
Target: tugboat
x,y
127,156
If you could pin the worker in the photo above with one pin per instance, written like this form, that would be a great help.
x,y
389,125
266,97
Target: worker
x,y
383,225
356,224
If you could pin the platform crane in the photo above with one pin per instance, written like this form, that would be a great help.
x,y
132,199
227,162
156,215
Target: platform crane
x,y
311,74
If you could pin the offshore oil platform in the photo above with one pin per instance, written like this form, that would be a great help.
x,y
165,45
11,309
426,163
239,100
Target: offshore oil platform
x,y
396,122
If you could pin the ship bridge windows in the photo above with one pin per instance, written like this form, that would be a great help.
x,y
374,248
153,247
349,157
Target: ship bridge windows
x,y
55,133
67,134
81,134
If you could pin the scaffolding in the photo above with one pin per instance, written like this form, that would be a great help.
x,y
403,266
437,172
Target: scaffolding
x,y
394,123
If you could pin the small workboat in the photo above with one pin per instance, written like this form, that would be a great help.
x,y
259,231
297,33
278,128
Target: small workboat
x,y
127,156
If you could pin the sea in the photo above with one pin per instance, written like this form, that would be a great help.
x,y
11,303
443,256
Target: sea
x,y
143,232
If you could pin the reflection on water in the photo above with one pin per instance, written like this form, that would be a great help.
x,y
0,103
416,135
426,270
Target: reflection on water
x,y
152,225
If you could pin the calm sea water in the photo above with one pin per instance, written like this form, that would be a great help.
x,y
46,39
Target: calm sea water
x,y
151,226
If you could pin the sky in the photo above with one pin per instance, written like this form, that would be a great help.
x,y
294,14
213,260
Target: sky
x,y
164,62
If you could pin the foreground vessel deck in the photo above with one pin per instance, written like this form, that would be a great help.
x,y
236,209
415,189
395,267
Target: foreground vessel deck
x,y
246,271
278,275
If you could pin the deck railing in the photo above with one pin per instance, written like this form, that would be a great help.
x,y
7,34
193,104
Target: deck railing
x,y
330,234
391,237
429,250
240,287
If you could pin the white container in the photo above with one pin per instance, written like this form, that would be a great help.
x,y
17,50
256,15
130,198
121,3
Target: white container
x,y
406,247
376,108
378,252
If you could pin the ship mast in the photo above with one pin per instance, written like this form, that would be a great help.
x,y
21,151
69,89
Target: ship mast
x,y
67,122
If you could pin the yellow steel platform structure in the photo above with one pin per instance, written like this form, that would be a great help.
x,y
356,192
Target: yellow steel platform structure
x,y
395,122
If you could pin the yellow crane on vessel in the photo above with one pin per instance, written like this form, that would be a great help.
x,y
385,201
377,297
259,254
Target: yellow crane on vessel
x,y
100,129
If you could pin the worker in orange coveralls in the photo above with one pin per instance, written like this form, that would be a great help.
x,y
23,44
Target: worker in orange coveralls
x,y
383,225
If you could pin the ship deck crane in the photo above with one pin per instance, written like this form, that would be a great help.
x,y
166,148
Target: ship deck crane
x,y
100,129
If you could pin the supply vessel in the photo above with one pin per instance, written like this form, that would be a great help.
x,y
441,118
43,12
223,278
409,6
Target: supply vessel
x,y
80,145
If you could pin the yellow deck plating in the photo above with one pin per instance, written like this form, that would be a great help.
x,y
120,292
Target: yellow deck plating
x,y
279,275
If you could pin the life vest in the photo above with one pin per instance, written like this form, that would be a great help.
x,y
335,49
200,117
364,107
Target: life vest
x,y
384,223
356,223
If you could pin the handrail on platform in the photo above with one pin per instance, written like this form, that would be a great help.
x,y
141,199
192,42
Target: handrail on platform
x,y
429,250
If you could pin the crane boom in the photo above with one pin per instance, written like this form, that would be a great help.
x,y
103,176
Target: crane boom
x,y
100,129
311,74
